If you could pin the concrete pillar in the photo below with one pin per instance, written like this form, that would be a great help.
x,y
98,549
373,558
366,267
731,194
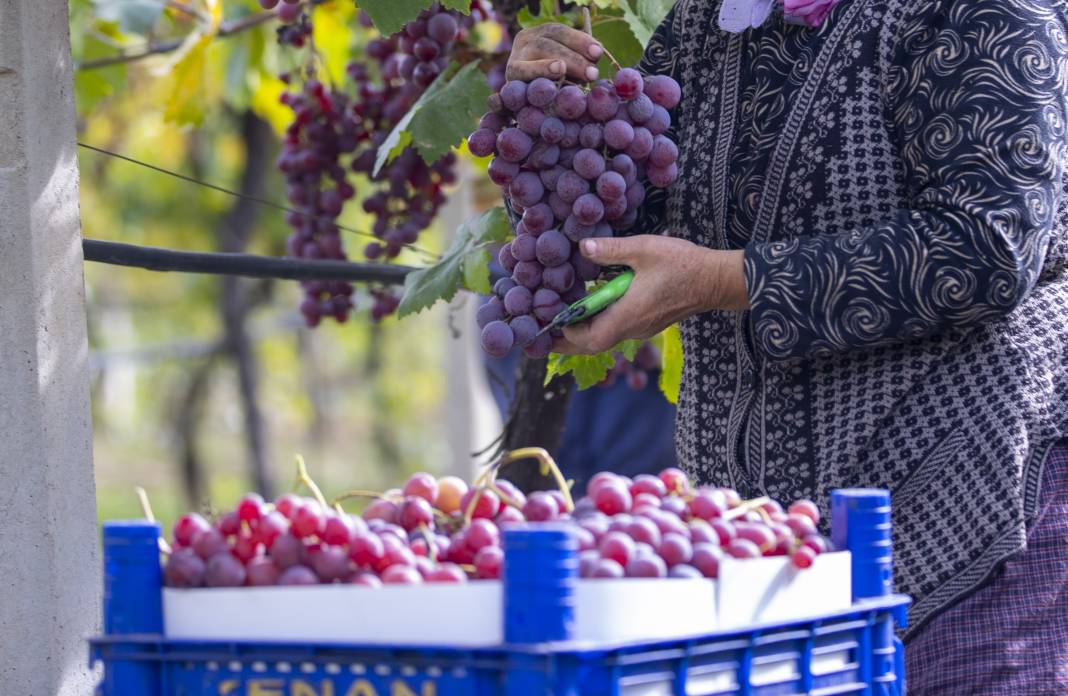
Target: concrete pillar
x,y
49,568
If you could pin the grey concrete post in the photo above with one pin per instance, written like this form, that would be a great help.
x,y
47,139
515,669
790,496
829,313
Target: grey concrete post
x,y
49,568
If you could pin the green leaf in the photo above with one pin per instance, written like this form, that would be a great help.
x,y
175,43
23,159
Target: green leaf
x,y
463,6
545,16
185,105
465,264
476,270
442,117
644,16
390,16
629,348
617,35
587,370
133,16
671,359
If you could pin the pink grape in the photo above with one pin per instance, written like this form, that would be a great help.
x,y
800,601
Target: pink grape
x,y
184,569
659,122
575,230
664,91
529,120
610,186
592,135
541,92
602,103
618,134
664,152
663,177
640,109
298,575
570,186
570,103
628,83
513,144
588,209
552,130
588,163
223,570
641,145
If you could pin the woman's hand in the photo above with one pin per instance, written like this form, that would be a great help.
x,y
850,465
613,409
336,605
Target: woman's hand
x,y
673,279
553,50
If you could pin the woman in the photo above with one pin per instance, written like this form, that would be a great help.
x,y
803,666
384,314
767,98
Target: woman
x,y
868,251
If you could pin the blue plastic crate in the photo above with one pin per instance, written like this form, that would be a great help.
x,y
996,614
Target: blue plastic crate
x,y
849,652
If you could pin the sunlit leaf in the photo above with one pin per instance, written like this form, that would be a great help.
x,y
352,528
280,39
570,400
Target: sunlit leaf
x,y
618,38
132,16
332,34
442,117
644,16
266,88
185,104
476,270
669,342
463,6
587,370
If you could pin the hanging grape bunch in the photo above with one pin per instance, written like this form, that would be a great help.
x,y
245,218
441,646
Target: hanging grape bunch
x,y
573,163
339,132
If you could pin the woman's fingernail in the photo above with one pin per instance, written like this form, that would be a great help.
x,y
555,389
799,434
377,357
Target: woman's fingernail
x,y
556,67
589,247
592,73
595,51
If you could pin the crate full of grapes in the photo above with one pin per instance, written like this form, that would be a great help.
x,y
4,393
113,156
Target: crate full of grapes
x,y
645,586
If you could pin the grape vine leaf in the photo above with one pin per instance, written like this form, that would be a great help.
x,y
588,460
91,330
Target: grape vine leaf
x,y
185,104
390,16
669,342
441,118
617,35
463,6
587,370
133,16
465,264
644,16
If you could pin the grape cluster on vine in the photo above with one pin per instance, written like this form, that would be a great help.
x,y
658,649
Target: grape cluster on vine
x,y
324,145
573,163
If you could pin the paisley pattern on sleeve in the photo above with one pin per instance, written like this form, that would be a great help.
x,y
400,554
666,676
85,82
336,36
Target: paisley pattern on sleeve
x,y
976,96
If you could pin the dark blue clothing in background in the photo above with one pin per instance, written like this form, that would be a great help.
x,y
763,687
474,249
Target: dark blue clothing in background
x,y
612,428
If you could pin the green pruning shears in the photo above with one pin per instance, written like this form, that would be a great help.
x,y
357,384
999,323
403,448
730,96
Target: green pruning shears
x,y
592,304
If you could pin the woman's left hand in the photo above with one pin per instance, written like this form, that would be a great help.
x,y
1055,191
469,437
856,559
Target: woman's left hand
x,y
673,279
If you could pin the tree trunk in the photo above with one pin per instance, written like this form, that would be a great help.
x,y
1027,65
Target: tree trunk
x,y
536,419
234,235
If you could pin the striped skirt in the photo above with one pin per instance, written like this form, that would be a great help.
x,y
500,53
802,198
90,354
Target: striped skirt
x,y
1009,638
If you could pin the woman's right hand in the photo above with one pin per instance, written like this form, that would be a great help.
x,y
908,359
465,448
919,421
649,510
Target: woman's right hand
x,y
553,50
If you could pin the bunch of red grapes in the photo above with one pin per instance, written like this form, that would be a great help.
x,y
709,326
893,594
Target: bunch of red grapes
x,y
336,133
574,164
435,530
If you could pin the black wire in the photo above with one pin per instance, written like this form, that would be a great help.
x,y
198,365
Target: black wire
x,y
238,194
249,265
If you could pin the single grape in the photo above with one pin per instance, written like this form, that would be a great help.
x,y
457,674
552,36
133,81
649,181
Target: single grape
x,y
298,575
659,122
552,248
482,143
538,218
617,547
570,186
570,103
543,156
331,562
635,195
530,118
524,249
647,567
209,542
663,177
623,165
547,304
614,209
641,145
506,259
287,13
806,508
602,103
706,558
524,328
528,273
640,109
400,574
514,95
628,83
611,185
592,136
416,512
502,172
268,4
559,278
188,526
575,230
541,92
618,134
223,570
487,505
497,339
527,189
743,548
552,130
488,563
513,144
494,122
518,301
442,27
664,91
584,268
426,49
588,163
490,311
588,209
184,569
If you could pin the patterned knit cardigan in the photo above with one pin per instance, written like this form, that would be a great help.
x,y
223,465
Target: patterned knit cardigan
x,y
896,178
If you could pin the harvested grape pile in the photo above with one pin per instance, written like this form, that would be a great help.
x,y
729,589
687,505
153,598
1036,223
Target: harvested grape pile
x,y
573,164
441,530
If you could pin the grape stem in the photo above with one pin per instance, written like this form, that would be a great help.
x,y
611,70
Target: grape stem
x,y
304,479
546,464
360,493
587,26
745,507
146,510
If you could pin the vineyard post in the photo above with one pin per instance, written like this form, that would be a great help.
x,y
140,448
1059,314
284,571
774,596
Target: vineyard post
x,y
49,588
